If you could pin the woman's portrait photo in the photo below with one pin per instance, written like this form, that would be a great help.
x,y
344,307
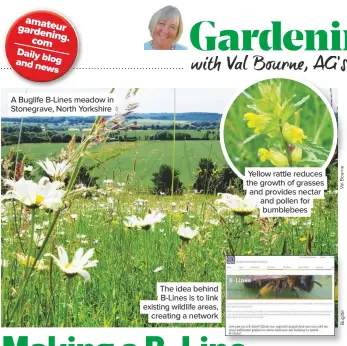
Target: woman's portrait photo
x,y
166,28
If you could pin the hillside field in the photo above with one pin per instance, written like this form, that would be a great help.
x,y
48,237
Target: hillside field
x,y
143,156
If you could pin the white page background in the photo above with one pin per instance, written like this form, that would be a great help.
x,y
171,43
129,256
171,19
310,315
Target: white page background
x,y
112,33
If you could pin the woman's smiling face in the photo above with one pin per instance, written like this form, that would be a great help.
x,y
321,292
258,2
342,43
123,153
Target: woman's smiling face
x,y
165,33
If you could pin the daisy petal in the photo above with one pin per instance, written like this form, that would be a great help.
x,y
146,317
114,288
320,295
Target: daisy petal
x,y
84,274
91,264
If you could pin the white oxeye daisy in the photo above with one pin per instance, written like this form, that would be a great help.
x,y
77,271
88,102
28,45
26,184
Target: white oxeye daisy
x,y
186,233
28,168
43,194
78,264
239,206
147,222
56,170
152,219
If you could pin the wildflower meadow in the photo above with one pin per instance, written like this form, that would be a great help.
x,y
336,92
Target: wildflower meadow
x,y
78,252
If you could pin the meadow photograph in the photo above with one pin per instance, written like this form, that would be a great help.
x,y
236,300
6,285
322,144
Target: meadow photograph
x,y
279,287
96,210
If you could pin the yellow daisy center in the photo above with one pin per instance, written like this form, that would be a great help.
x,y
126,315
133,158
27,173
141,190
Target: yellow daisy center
x,y
69,265
39,199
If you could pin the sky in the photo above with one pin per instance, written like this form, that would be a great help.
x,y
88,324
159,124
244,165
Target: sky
x,y
152,100
162,100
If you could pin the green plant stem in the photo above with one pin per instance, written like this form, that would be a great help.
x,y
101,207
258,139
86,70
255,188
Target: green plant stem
x,y
16,225
243,227
51,283
203,207
230,235
67,291
19,138
289,155
31,242
183,246
27,271
173,146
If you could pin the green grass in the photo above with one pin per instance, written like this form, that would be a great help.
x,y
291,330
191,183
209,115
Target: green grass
x,y
127,258
36,151
145,156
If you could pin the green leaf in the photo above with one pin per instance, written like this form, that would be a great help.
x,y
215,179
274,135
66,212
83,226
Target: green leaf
x,y
288,110
302,101
313,148
251,138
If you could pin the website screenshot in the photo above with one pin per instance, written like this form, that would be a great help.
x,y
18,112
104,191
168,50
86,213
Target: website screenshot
x,y
279,295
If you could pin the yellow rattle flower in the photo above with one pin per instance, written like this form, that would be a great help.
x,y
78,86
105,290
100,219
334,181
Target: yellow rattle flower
x,y
297,154
293,134
276,158
257,121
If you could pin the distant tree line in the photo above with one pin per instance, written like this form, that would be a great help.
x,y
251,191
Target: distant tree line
x,y
181,136
199,125
186,116
33,134
196,120
51,120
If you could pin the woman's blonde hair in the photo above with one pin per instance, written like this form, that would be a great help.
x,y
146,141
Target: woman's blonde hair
x,y
166,13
